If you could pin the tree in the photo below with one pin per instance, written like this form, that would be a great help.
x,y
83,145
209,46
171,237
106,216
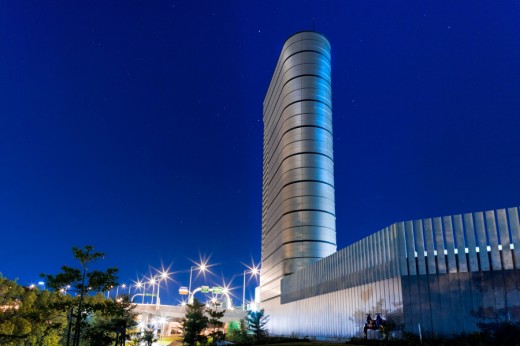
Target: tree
x,y
28,315
122,317
148,337
47,318
194,323
13,325
257,321
82,282
109,321
238,332
215,323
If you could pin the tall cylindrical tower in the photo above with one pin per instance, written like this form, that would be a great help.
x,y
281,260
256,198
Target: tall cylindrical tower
x,y
298,212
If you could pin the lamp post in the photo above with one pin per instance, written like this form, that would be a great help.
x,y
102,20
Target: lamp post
x,y
152,282
123,286
163,276
253,271
201,267
139,285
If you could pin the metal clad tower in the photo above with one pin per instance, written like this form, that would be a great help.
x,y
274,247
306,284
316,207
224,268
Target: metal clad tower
x,y
298,212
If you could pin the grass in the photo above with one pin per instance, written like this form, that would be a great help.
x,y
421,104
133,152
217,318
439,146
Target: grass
x,y
168,340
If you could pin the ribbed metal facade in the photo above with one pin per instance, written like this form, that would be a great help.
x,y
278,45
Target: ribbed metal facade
x,y
445,274
298,216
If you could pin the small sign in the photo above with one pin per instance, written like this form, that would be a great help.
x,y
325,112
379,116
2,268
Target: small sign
x,y
216,290
184,291
204,289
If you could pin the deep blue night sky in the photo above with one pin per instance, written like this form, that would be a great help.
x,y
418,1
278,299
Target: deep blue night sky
x,y
136,126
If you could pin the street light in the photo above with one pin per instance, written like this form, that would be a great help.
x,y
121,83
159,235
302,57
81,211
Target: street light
x,y
139,284
152,282
123,286
202,268
254,307
253,271
163,276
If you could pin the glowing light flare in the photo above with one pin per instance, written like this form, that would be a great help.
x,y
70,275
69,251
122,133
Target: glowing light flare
x,y
202,266
255,271
163,273
253,307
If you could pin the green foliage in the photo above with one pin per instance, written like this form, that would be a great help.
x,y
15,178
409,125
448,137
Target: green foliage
x,y
252,330
214,323
194,323
257,322
83,282
233,326
29,315
109,320
238,332
148,337
50,318
47,318
135,340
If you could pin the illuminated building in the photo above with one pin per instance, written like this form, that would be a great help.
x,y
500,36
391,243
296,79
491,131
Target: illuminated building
x,y
298,218
436,276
